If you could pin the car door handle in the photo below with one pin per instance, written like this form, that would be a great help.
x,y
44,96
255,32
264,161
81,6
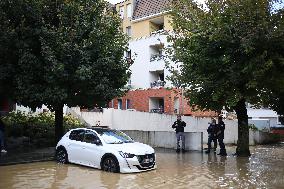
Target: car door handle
x,y
84,147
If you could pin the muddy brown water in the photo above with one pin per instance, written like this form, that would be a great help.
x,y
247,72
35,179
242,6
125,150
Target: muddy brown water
x,y
264,169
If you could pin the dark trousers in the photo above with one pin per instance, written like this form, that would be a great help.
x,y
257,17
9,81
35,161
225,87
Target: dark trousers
x,y
221,144
210,139
1,146
1,140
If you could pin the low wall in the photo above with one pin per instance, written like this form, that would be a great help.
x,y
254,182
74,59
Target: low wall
x,y
259,137
145,121
167,139
154,122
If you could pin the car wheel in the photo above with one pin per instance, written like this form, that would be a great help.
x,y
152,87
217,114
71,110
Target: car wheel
x,y
61,156
110,164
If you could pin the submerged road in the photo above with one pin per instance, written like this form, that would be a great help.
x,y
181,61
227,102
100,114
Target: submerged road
x,y
264,169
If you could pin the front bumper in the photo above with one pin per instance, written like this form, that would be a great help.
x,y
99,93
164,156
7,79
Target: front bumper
x,y
138,163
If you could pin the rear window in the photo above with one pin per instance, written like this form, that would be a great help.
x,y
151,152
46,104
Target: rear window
x,y
77,135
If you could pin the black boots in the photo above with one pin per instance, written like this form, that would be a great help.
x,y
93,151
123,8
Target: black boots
x,y
182,150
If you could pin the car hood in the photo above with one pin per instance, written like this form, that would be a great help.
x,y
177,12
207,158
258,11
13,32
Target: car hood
x,y
136,148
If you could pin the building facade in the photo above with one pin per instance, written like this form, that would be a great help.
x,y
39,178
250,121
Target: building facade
x,y
148,23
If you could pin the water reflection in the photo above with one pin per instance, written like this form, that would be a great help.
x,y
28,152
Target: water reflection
x,y
264,169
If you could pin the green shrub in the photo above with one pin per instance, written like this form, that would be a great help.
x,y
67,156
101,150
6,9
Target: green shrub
x,y
39,128
252,127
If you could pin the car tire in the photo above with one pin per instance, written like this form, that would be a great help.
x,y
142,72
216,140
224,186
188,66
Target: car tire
x,y
110,164
61,156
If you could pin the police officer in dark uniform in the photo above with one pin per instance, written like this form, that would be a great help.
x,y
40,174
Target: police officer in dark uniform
x,y
212,133
220,136
179,127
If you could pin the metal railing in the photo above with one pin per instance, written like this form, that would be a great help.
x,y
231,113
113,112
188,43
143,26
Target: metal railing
x,y
156,57
158,83
158,110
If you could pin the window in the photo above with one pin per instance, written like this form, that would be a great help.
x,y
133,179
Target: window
x,y
128,30
90,137
127,105
112,103
128,54
77,135
119,104
113,136
161,77
121,12
281,120
129,10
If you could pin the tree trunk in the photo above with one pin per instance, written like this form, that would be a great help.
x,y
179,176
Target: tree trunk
x,y
243,129
58,123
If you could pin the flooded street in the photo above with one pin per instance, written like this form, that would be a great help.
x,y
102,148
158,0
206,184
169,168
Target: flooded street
x,y
264,169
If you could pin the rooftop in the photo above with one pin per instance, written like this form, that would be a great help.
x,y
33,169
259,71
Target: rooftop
x,y
146,8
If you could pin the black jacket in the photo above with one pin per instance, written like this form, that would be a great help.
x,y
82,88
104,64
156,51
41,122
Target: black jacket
x,y
221,128
212,130
2,126
179,126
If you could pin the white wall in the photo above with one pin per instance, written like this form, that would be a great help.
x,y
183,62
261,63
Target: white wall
x,y
167,139
144,121
263,114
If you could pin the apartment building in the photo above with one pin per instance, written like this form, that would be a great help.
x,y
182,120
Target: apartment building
x,y
148,23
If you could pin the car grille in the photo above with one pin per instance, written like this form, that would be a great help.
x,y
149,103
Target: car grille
x,y
147,160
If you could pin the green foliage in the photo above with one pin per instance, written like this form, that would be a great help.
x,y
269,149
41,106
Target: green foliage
x,y
61,52
229,49
39,128
252,127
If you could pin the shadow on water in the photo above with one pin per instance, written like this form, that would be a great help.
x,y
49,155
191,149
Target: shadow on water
x,y
264,169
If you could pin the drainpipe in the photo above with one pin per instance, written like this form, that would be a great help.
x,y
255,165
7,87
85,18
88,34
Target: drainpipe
x,y
181,101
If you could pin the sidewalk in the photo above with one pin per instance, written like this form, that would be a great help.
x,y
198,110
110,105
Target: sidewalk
x,y
28,156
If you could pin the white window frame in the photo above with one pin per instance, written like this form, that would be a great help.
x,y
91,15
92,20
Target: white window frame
x,y
129,10
121,12
119,105
129,31
126,103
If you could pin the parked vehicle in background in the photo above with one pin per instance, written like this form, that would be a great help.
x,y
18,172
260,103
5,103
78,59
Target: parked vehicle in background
x,y
104,148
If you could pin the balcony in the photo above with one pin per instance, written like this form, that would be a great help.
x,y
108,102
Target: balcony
x,y
157,63
157,84
161,31
156,57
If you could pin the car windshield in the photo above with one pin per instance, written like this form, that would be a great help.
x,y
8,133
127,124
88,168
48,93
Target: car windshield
x,y
111,136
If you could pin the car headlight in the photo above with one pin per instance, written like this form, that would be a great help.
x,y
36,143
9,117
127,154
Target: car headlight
x,y
126,155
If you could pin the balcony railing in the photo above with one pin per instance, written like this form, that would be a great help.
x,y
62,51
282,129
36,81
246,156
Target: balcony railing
x,y
158,110
162,31
129,60
156,57
158,83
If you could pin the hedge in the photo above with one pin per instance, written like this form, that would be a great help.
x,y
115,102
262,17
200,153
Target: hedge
x,y
39,128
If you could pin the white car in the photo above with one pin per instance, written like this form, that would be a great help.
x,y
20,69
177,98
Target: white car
x,y
104,148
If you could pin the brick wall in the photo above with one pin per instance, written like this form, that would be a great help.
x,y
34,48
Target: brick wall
x,y
139,100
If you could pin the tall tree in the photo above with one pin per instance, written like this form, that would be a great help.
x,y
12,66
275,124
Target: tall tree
x,y
61,52
227,48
